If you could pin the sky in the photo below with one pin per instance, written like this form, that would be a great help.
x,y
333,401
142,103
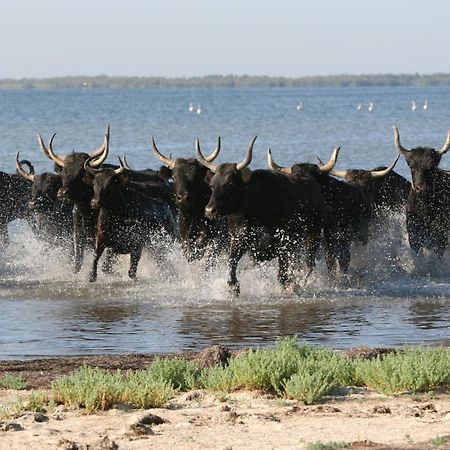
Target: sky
x,y
172,38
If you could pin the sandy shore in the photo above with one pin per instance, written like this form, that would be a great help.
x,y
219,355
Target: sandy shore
x,y
242,420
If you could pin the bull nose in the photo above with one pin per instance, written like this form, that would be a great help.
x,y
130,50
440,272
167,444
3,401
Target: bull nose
x,y
62,193
419,188
210,212
95,204
32,204
183,197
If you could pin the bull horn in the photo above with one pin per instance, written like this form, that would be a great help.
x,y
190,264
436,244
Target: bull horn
x,y
202,160
48,151
28,175
101,149
384,172
329,166
248,156
397,143
97,161
125,162
446,146
89,168
170,163
275,167
339,173
121,168
215,152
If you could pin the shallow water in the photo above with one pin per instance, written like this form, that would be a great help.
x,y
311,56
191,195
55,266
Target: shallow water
x,y
390,299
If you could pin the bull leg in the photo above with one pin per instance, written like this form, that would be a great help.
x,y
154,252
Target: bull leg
x,y
135,256
79,240
283,268
4,238
312,243
98,253
237,250
109,262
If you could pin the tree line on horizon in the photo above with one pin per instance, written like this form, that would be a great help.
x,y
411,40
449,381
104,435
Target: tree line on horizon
x,y
225,81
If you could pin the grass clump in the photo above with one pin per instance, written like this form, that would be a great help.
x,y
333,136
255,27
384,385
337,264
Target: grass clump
x,y
318,445
440,440
89,387
217,379
406,370
12,382
178,372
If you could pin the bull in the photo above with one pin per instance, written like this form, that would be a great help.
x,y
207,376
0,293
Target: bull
x,y
192,193
347,211
127,219
269,214
428,203
77,188
53,217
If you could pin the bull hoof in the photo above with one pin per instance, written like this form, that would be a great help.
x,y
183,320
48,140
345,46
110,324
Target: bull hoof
x,y
235,289
92,278
132,275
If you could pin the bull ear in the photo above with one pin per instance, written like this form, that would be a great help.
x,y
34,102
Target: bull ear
x,y
165,172
246,175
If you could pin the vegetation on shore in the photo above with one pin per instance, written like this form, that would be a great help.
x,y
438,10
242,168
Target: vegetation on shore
x,y
297,372
225,81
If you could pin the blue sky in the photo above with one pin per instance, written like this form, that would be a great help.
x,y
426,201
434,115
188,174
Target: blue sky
x,y
199,37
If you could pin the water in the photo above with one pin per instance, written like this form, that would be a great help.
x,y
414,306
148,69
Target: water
x,y
45,310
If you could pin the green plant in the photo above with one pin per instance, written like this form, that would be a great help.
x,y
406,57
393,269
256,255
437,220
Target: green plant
x,y
440,440
217,379
406,370
180,373
326,445
12,382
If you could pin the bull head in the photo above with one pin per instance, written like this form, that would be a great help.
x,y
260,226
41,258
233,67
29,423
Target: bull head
x,y
213,167
97,157
170,163
324,168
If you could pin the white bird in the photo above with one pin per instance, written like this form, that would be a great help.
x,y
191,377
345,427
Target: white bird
x,y
413,105
425,105
199,109
370,107
299,106
191,107
359,107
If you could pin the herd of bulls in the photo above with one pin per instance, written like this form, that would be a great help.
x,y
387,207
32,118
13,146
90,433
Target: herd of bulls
x,y
283,212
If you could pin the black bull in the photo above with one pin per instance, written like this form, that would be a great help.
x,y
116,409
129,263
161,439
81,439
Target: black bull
x,y
269,214
128,220
428,204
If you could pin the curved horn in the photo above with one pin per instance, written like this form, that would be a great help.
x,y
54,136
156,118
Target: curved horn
x,y
339,173
215,152
329,166
274,166
446,146
28,175
121,168
125,162
48,151
202,160
101,149
98,161
248,156
384,172
397,143
90,169
170,163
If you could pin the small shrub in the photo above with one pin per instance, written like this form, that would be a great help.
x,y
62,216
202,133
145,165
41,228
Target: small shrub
x,y
406,370
145,392
309,384
12,382
326,445
38,401
440,440
180,373
90,388
217,379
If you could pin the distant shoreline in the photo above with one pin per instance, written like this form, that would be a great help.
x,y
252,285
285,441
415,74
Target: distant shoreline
x,y
225,81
